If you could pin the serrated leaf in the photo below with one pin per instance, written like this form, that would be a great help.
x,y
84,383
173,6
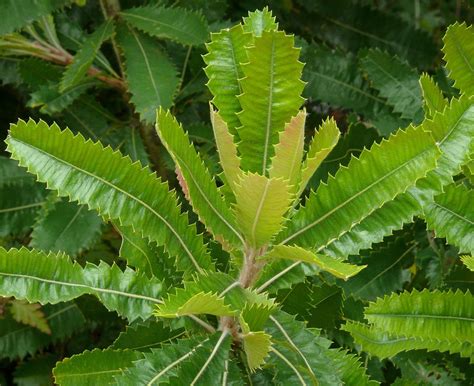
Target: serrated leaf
x,y
109,183
322,143
286,162
30,10
226,148
353,372
135,147
53,278
226,53
259,21
178,24
97,367
326,263
383,345
468,262
377,176
433,98
29,314
86,55
151,76
257,346
396,81
260,208
271,94
204,196
451,215
58,229
425,314
459,56
35,371
187,362
18,340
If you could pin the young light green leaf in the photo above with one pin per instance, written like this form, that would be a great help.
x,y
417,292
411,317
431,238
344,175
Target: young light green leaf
x,y
97,367
204,196
226,53
111,184
286,163
200,303
178,24
29,314
451,215
271,93
468,261
321,145
257,346
459,56
258,21
326,263
433,98
226,148
53,278
151,76
86,55
260,208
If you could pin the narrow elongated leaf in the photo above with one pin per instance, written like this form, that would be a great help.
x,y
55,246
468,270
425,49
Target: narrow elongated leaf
x,y
286,163
271,93
20,15
201,187
261,204
151,76
383,345
86,55
97,367
377,176
459,56
58,229
48,278
258,21
109,183
396,81
321,145
257,346
227,149
433,98
425,314
226,53
178,24
451,215
333,266
188,362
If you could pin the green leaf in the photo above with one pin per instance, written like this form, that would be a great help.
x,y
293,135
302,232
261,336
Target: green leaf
x,y
333,266
226,148
433,98
97,367
271,94
259,21
204,196
320,146
36,371
58,228
257,346
188,362
49,278
135,147
109,183
459,56
151,76
468,262
261,205
178,24
426,314
86,55
377,176
226,53
28,12
451,215
396,81
286,163
18,340
29,314
383,345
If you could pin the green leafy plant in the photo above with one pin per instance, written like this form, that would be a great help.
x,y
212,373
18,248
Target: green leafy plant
x,y
233,290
